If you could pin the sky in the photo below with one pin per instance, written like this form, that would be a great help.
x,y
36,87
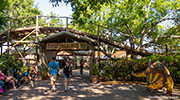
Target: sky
x,y
46,7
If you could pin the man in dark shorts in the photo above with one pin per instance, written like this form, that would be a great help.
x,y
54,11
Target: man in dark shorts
x,y
53,70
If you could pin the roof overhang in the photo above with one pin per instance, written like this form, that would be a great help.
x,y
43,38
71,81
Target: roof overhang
x,y
56,36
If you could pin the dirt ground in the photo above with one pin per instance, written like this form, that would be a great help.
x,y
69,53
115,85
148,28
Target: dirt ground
x,y
82,89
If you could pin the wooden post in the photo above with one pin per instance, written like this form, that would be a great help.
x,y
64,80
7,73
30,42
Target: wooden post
x,y
8,36
98,47
23,38
23,59
166,50
66,22
43,61
1,50
91,54
37,26
24,46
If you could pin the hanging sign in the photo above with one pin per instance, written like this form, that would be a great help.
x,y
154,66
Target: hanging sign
x,y
66,46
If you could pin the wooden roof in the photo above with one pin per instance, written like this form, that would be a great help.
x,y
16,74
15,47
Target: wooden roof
x,y
65,36
22,32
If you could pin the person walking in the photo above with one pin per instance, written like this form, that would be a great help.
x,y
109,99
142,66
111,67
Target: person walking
x,y
66,71
32,77
81,67
53,70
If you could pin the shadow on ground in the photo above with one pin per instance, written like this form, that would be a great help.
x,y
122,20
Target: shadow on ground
x,y
80,89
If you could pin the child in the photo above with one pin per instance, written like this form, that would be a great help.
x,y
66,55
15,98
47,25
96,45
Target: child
x,y
32,77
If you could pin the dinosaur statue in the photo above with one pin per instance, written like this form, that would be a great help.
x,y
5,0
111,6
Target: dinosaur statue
x,y
157,76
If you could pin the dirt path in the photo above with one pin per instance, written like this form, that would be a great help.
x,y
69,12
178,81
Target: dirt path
x,y
82,89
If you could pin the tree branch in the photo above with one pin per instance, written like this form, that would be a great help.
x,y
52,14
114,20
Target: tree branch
x,y
128,28
150,28
162,19
153,41
146,17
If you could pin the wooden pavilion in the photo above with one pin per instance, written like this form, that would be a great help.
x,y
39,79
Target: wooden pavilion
x,y
56,39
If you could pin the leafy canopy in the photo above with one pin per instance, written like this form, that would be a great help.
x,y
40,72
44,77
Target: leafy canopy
x,y
135,23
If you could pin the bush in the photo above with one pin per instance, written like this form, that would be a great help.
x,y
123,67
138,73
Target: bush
x,y
95,70
10,63
121,69
107,75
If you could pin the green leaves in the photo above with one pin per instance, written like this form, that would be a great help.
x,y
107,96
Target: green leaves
x,y
19,8
10,63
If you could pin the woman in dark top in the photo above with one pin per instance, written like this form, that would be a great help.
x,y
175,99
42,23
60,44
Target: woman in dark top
x,y
66,72
81,67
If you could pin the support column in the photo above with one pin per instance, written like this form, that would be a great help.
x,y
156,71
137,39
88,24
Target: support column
x,y
1,50
66,22
166,50
98,47
8,36
43,66
92,56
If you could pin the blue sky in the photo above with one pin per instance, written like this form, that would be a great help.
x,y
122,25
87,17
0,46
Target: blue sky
x,y
47,8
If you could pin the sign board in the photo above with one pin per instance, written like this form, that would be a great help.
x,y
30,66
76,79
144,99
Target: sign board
x,y
66,46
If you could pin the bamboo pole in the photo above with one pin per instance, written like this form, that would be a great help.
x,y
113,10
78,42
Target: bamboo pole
x,y
23,38
37,26
67,22
98,47
8,38
1,50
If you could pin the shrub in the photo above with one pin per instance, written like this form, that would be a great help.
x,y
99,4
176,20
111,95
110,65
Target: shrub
x,y
121,69
95,70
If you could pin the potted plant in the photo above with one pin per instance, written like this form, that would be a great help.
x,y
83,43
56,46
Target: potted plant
x,y
94,73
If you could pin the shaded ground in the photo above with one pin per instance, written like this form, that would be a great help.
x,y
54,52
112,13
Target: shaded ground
x,y
82,89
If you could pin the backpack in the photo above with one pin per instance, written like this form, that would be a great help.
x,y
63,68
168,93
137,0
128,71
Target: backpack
x,y
54,66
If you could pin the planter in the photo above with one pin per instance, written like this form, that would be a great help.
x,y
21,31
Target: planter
x,y
95,79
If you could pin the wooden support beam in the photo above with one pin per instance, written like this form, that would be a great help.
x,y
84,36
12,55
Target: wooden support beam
x,y
8,40
1,50
23,38
23,59
22,41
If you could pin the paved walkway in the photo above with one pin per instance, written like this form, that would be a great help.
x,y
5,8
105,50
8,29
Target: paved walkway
x,y
81,89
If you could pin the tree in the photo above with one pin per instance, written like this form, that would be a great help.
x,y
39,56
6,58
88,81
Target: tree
x,y
4,4
16,10
132,23
52,21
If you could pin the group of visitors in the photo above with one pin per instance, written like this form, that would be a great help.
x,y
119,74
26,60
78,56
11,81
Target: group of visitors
x,y
15,78
53,71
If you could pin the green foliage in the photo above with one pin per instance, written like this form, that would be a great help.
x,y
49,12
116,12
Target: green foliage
x,y
107,75
4,4
95,70
135,20
10,63
17,9
121,69
51,21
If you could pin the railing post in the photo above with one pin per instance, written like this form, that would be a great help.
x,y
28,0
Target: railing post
x,y
67,22
37,26
166,50
8,36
